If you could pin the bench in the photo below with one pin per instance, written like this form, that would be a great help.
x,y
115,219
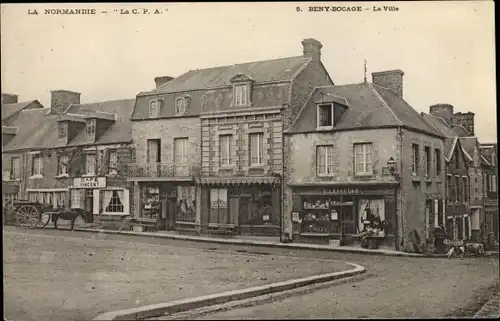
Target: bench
x,y
222,229
185,226
143,224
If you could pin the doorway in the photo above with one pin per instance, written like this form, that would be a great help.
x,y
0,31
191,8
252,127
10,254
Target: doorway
x,y
89,205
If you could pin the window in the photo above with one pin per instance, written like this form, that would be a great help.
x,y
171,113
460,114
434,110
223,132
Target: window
x,y
180,150
240,95
62,168
61,130
180,106
91,127
437,162
450,187
415,159
460,189
493,183
113,161
90,164
225,149
154,151
256,149
325,115
324,156
76,198
14,168
154,108
114,202
427,151
37,165
218,206
363,159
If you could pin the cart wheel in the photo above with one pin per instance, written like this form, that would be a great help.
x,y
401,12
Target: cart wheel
x,y
27,216
44,220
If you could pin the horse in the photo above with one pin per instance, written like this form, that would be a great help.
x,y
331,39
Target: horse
x,y
71,215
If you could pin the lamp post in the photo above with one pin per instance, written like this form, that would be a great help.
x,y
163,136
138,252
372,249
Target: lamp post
x,y
391,163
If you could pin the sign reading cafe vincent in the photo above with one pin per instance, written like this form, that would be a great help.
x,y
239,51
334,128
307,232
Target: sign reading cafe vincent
x,y
89,182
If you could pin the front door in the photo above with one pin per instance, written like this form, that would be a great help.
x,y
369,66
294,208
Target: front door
x,y
171,212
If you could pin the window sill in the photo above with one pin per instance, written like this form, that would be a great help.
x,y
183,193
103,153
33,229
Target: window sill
x,y
257,166
62,176
324,128
428,179
326,175
415,178
13,180
226,167
36,176
89,175
116,214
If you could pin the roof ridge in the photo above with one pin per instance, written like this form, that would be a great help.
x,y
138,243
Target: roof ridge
x,y
384,103
248,62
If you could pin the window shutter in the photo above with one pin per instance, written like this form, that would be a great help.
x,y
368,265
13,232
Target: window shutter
x,y
126,201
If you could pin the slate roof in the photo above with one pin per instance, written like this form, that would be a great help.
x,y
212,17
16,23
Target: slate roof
x,y
9,110
39,130
370,106
461,131
282,69
439,124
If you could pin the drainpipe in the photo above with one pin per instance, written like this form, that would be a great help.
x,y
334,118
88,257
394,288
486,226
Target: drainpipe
x,y
282,176
400,133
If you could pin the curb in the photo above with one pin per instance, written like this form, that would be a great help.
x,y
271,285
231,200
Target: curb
x,y
253,243
155,310
490,309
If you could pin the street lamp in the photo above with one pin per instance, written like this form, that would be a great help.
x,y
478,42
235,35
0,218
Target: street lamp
x,y
391,163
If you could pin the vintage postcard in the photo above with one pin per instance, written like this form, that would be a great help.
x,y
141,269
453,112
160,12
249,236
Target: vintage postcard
x,y
263,160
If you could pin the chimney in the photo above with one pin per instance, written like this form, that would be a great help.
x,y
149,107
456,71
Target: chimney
x,y
390,79
312,49
466,120
9,98
162,80
444,111
61,99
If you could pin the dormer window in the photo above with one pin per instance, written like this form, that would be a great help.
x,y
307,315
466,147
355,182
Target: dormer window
x,y
240,95
154,108
91,127
325,116
242,85
180,106
61,130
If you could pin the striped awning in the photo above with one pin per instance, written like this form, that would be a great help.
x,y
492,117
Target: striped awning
x,y
239,180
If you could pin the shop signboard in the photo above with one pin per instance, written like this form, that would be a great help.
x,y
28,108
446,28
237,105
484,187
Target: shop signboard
x,y
89,182
344,191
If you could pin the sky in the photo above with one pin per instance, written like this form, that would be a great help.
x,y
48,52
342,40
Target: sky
x,y
446,49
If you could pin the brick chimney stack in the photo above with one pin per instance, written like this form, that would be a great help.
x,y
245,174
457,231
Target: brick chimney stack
x,y
466,120
312,49
390,79
162,80
61,99
444,111
9,98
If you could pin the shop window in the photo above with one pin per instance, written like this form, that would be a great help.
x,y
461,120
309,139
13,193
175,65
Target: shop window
x,y
325,116
324,155
154,151
186,203
256,208
37,165
218,205
363,159
225,149
427,152
256,148
459,228
437,162
15,168
90,164
77,197
113,201
415,159
62,165
371,214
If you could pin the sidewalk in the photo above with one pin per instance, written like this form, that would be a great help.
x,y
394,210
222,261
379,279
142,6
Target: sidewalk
x,y
266,241
490,310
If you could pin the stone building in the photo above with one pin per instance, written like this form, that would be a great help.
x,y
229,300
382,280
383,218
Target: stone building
x,y
490,171
357,153
75,156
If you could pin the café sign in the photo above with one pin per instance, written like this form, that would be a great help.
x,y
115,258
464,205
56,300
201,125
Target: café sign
x,y
89,182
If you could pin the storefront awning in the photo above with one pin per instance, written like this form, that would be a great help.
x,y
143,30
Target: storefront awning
x,y
10,188
239,180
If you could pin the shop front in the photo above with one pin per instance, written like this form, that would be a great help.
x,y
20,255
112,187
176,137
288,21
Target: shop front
x,y
250,205
167,205
109,203
364,216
